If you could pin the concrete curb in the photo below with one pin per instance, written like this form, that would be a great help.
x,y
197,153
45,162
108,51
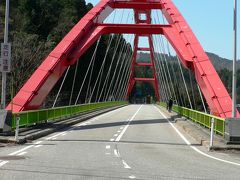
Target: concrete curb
x,y
200,134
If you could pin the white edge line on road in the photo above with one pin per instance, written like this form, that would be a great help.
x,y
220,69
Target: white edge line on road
x,y
51,137
194,148
132,177
3,163
22,153
126,166
125,128
23,149
116,153
40,145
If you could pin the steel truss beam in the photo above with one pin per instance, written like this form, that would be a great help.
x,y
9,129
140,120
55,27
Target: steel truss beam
x,y
90,27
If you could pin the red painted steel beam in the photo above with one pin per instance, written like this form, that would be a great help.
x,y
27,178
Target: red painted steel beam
x,y
143,49
194,57
139,5
140,29
144,64
145,79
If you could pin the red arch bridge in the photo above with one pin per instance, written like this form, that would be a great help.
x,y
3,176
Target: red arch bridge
x,y
164,30
150,56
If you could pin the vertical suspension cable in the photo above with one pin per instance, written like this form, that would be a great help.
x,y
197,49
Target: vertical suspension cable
x,y
166,63
171,65
185,85
175,78
110,67
159,76
74,80
168,72
113,57
124,85
118,61
127,76
66,73
91,62
204,107
101,69
121,73
162,70
194,102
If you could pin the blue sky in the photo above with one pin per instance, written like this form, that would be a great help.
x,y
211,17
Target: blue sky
x,y
211,21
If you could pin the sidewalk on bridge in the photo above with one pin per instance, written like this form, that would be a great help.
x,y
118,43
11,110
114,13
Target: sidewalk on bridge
x,y
199,133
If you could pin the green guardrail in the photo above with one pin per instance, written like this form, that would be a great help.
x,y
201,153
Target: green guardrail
x,y
200,118
29,118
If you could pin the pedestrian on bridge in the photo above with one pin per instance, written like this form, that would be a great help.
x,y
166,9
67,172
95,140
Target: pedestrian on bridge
x,y
170,105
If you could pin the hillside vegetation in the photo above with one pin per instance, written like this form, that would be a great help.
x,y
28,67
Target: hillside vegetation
x,y
36,27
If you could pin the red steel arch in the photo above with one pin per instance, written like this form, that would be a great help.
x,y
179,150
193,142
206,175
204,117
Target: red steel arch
x,y
90,27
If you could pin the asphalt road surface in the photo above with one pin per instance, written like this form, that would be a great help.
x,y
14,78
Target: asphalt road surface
x,y
133,142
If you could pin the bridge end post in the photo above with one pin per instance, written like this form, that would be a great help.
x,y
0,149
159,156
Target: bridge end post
x,y
5,121
232,131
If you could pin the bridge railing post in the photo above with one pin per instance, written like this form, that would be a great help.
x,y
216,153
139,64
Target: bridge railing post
x,y
212,133
17,128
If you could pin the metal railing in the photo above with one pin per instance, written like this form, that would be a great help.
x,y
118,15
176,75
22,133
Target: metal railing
x,y
29,118
200,118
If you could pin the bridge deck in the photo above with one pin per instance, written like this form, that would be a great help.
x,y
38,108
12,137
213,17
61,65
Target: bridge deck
x,y
132,142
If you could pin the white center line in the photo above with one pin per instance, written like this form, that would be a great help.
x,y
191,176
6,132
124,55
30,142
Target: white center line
x,y
126,166
132,177
108,147
116,153
115,135
3,163
40,145
23,149
22,153
38,142
124,130
111,139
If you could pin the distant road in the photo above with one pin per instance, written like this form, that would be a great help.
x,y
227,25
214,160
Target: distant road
x,y
134,142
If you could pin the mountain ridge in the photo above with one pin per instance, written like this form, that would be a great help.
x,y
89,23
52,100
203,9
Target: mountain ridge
x,y
218,62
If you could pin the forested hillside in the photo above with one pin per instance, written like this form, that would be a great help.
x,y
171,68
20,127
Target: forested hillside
x,y
36,27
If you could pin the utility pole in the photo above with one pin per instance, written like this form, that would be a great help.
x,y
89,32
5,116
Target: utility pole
x,y
4,73
234,81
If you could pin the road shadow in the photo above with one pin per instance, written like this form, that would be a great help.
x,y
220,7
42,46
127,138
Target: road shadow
x,y
127,142
120,123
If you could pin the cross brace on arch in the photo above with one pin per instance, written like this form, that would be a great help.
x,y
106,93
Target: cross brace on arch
x,y
88,30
